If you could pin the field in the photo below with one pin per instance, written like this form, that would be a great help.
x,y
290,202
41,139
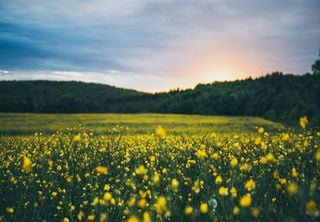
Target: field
x,y
156,167
135,123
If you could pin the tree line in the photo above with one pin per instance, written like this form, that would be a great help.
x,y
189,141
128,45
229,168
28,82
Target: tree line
x,y
276,96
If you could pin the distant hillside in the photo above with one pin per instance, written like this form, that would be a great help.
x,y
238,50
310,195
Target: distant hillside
x,y
61,97
278,97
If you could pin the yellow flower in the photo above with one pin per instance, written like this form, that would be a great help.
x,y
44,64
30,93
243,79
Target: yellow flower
x,y
245,167
133,219
223,191
260,130
132,202
160,132
215,156
311,208
107,196
286,137
141,170
142,203
27,164
218,180
146,217
263,160
174,184
91,217
294,172
317,155
233,192
250,185
161,205
246,200
303,121
188,210
10,210
102,170
197,185
292,189
80,215
156,178
103,217
201,154
204,208
54,194
257,141
76,138
234,162
65,219
235,210
270,157
255,212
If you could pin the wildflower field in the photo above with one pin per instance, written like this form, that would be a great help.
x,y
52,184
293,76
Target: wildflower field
x,y
156,167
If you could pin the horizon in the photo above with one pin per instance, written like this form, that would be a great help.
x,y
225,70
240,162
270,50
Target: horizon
x,y
164,91
156,46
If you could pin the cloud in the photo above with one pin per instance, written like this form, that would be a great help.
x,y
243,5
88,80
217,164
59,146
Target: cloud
x,y
182,42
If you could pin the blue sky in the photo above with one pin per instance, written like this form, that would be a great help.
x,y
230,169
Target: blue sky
x,y
153,45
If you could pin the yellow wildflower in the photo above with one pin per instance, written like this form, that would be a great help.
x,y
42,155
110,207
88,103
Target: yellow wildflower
x,y
146,217
263,160
260,130
160,132
102,170
294,172
103,217
10,210
174,184
107,196
141,170
161,205
303,122
286,137
250,185
246,200
204,208
236,210
197,185
27,164
218,180
233,192
223,191
201,154
234,162
142,203
133,219
91,217
317,155
188,210
156,178
292,189
311,208
255,212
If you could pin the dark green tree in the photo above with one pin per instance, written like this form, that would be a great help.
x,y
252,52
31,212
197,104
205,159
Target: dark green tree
x,y
316,66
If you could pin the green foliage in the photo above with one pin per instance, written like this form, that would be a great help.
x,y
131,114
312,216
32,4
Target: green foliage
x,y
277,97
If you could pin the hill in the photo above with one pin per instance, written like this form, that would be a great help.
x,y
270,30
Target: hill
x,y
276,96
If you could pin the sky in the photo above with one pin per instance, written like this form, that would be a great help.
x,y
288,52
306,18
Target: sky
x,y
151,45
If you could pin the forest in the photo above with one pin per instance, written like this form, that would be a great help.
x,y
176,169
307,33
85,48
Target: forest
x,y
277,96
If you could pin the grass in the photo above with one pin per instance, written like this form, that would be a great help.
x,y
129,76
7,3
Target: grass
x,y
193,168
18,124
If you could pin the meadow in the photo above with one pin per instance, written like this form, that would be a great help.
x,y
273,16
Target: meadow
x,y
157,167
